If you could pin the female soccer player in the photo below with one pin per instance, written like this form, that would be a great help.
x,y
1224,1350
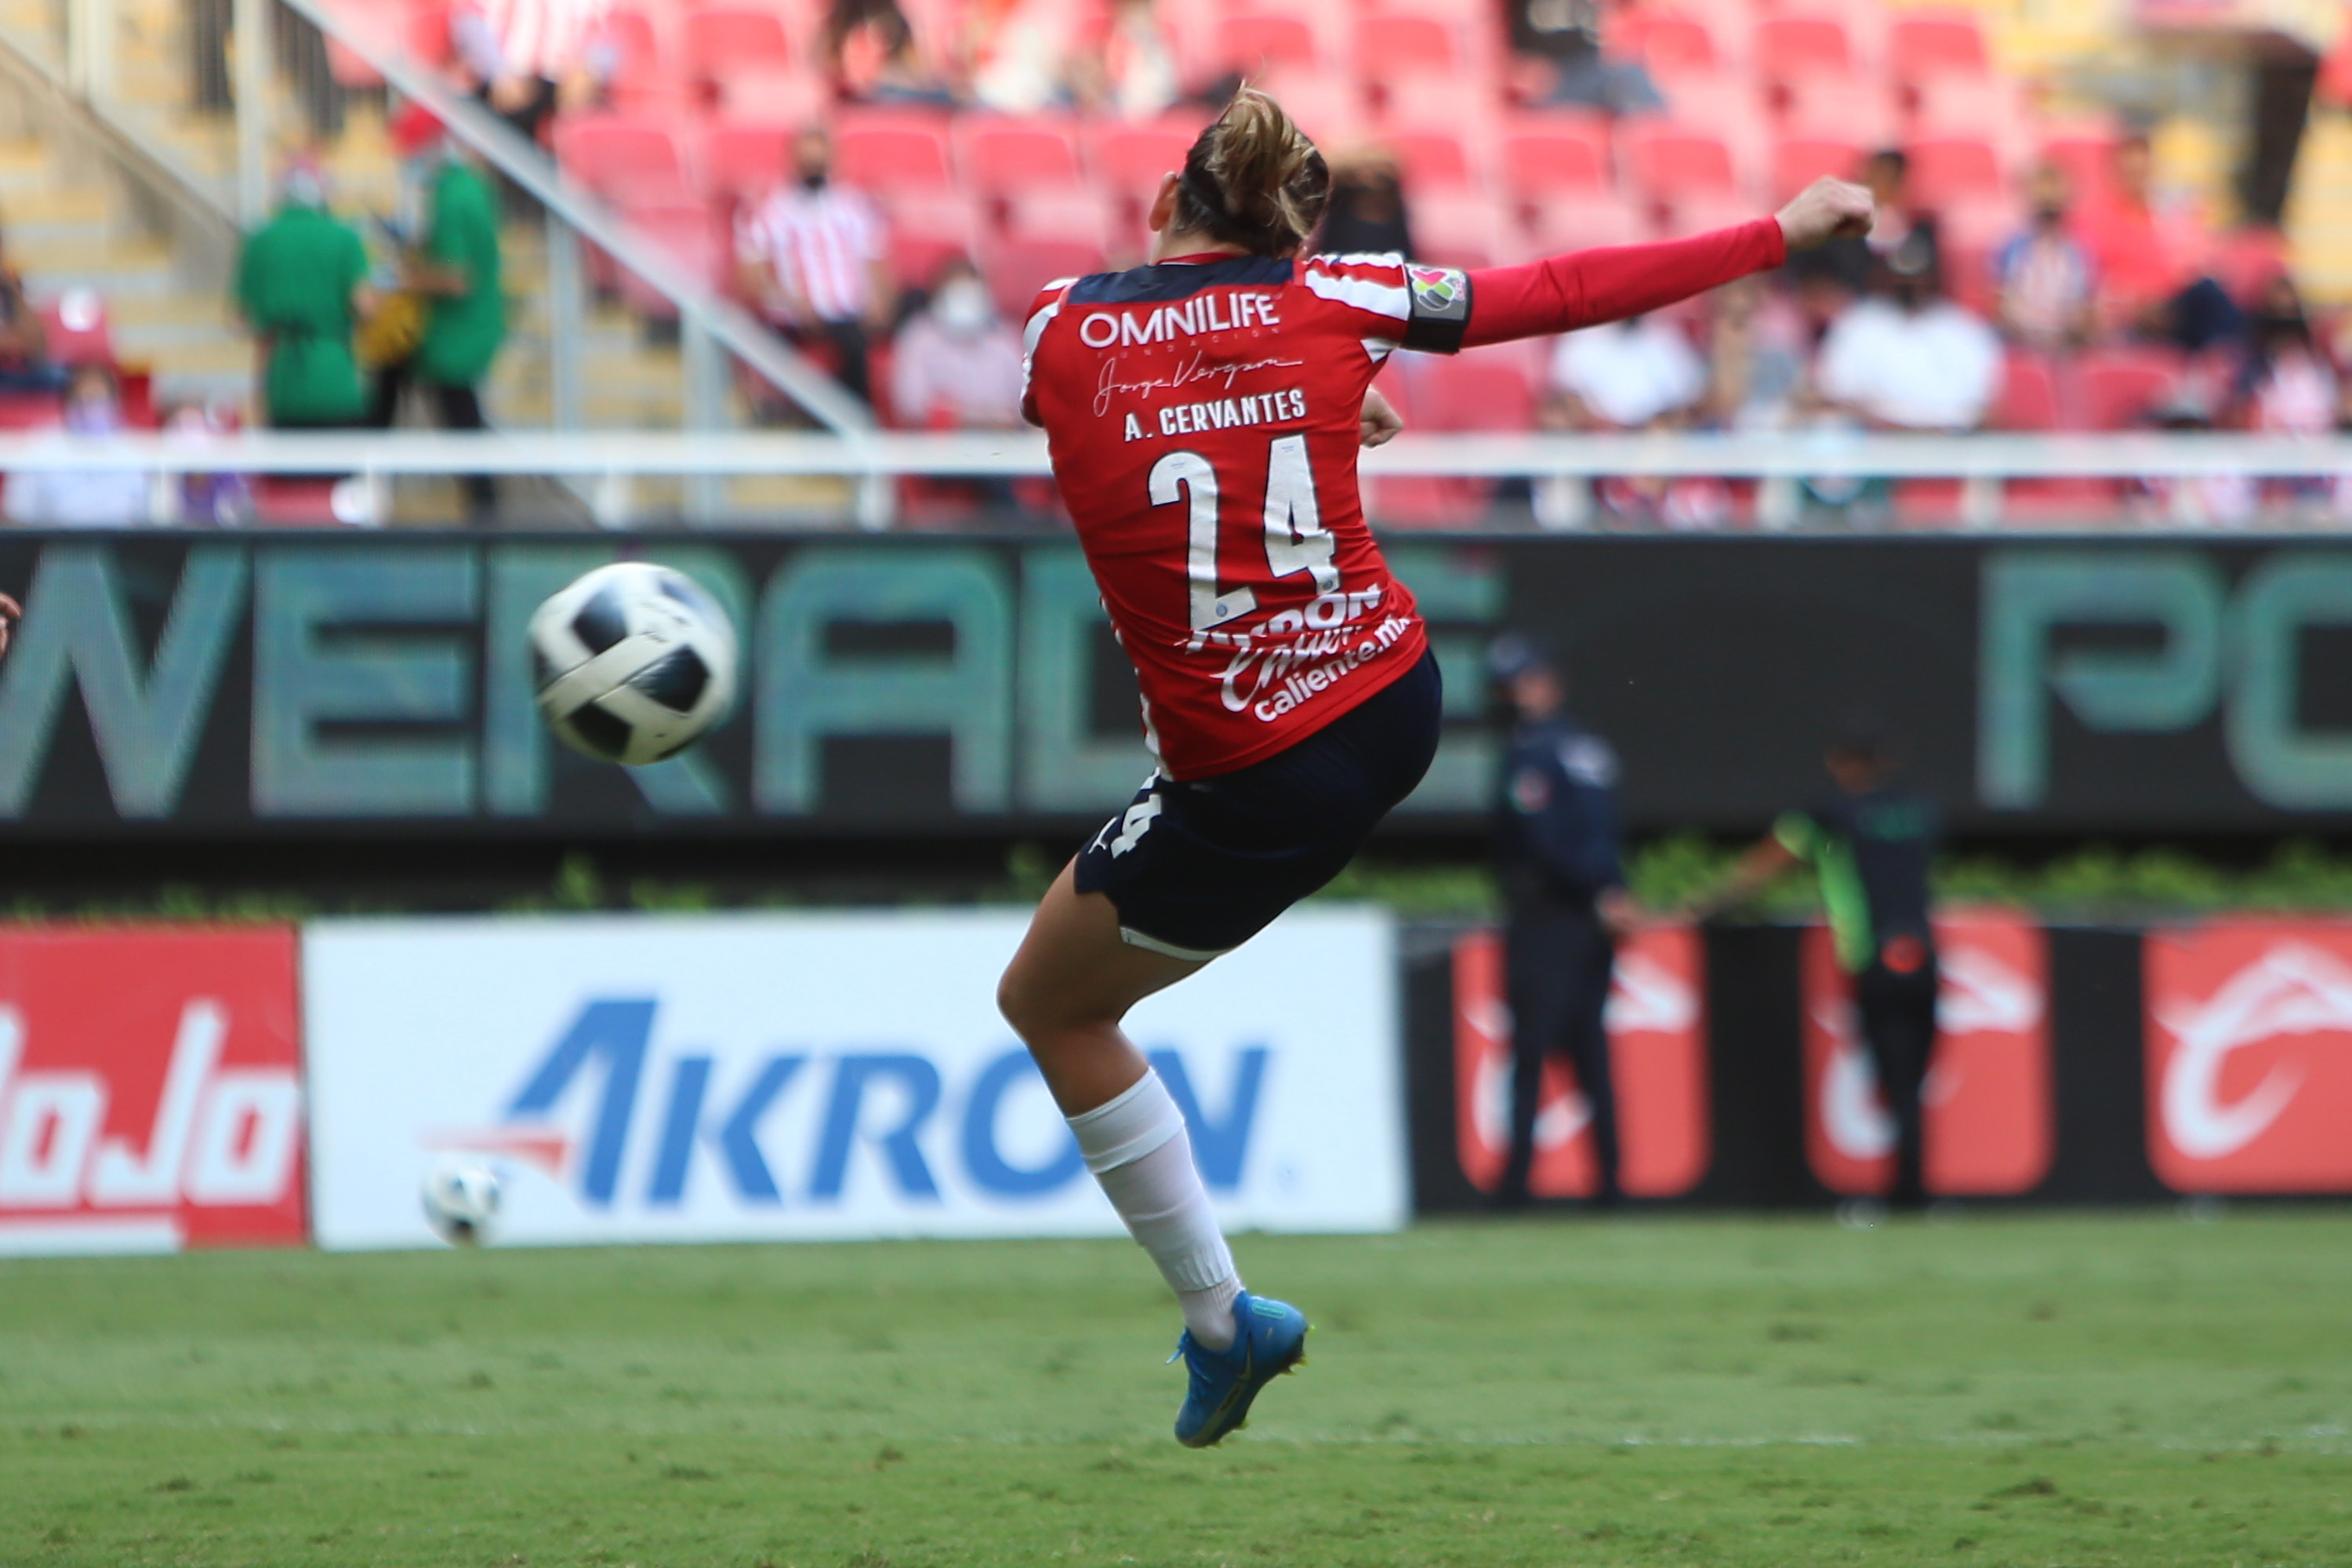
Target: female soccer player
x,y
1203,414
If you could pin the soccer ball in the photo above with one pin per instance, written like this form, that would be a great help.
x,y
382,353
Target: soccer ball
x,y
461,1200
634,662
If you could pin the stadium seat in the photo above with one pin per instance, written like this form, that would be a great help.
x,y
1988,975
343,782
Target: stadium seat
x,y
1702,212
1255,42
1462,102
1432,161
722,40
793,96
1544,155
1845,108
1464,228
2028,399
1946,169
887,151
637,47
1016,269
1082,217
1930,44
1788,48
615,155
2115,388
1328,105
998,155
78,328
928,226
741,160
685,233
1668,45
30,410
1483,389
1798,161
1668,162
1582,221
1982,106
1410,44
2087,154
1130,159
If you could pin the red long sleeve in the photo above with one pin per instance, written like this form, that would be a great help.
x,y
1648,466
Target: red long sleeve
x,y
1562,293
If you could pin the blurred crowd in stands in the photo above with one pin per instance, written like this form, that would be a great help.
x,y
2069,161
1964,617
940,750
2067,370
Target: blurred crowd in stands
x,y
888,182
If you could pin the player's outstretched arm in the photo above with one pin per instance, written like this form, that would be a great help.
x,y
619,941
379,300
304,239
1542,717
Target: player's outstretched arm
x,y
1586,287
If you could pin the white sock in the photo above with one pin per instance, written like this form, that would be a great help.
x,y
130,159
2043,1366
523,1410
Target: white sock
x,y
1137,1147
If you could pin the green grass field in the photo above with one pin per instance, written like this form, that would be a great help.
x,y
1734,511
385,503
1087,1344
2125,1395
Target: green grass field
x,y
2134,1390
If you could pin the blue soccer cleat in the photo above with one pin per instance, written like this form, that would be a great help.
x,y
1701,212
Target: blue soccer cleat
x,y
1271,1340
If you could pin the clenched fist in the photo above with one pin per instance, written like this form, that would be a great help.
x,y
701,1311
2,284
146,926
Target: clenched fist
x,y
1826,210
1380,422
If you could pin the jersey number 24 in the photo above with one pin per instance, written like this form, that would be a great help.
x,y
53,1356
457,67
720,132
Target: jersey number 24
x,y
1295,540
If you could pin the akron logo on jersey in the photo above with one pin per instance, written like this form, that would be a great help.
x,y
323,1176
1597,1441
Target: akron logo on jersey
x,y
634,662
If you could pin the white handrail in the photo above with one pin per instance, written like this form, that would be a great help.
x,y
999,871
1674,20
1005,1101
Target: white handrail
x,y
1013,453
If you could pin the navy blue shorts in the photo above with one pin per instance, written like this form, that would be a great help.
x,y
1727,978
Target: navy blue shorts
x,y
1198,868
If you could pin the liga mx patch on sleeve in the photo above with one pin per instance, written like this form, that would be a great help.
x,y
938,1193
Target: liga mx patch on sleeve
x,y
1440,308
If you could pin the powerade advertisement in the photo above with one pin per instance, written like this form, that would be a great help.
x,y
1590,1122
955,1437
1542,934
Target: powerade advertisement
x,y
821,1076
174,688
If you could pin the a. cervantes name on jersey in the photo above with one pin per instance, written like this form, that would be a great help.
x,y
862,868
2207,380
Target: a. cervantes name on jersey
x,y
1203,421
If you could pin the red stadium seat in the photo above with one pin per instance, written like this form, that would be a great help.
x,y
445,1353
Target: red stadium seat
x,y
1851,108
927,228
1585,220
1667,161
685,235
1925,45
1082,217
1948,169
1461,102
1669,45
889,152
1464,228
1432,161
636,47
739,160
1703,212
2116,388
78,328
2086,155
1483,389
1017,269
794,97
614,155
720,40
1253,42
998,155
1130,159
1787,47
1328,106
2028,399
1554,154
1388,45
1798,161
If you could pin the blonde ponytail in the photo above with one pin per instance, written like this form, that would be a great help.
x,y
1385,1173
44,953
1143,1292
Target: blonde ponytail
x,y
1253,179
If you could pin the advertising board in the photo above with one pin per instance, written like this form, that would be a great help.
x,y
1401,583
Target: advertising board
x,y
2249,1038
815,1075
1656,1019
148,1089
1987,1101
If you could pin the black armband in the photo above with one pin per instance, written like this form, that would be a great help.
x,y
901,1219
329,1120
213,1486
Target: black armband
x,y
1440,308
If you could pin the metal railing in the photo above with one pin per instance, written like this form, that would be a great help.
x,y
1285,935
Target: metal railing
x,y
608,463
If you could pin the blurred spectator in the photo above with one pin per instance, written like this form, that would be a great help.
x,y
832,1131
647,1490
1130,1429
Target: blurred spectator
x,y
1829,276
957,363
1021,53
528,58
1636,375
1903,357
302,284
1365,213
2223,499
812,257
2151,262
209,500
2289,388
452,262
83,498
24,341
1756,351
2043,283
871,55
1561,39
1131,69
301,55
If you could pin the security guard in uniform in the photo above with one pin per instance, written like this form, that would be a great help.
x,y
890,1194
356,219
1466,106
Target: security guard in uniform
x,y
1872,847
1556,843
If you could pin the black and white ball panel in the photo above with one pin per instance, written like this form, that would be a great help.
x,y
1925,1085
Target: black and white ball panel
x,y
634,662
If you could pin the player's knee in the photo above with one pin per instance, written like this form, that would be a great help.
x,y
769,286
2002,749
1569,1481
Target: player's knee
x,y
1017,1001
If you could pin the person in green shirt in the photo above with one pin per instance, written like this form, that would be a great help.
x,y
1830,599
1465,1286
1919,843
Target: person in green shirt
x,y
453,266
301,283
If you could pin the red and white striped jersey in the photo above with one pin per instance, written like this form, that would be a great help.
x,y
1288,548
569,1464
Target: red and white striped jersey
x,y
1203,421
546,39
822,244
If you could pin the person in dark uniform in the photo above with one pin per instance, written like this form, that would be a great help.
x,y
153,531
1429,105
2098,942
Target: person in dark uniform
x,y
1556,855
1872,847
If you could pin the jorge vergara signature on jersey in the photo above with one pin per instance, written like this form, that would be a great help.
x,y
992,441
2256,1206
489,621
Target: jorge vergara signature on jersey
x,y
1195,369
